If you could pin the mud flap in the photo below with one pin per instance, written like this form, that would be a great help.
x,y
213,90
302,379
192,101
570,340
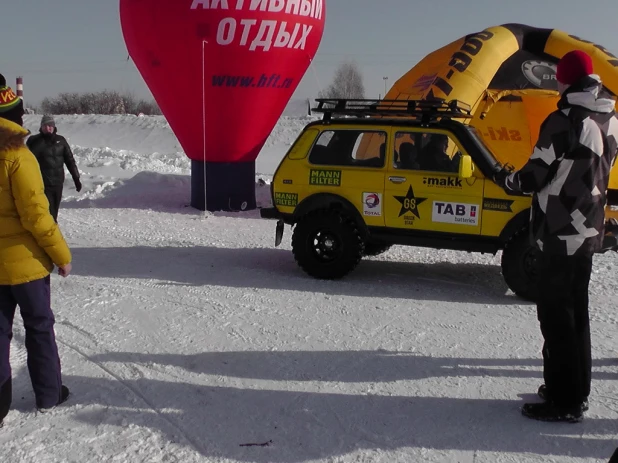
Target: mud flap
x,y
279,233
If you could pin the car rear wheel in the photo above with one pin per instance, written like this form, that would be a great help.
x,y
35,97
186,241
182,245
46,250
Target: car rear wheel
x,y
327,244
520,266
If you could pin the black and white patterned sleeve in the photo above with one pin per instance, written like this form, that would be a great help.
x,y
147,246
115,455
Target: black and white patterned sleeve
x,y
541,166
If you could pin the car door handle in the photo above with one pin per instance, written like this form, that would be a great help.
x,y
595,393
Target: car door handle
x,y
397,179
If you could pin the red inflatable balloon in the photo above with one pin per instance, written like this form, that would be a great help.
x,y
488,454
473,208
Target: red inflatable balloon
x,y
222,72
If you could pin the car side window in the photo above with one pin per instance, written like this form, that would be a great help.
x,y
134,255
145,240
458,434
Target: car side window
x,y
406,150
357,148
435,152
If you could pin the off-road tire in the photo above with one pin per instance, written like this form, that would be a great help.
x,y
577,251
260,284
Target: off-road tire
x,y
519,266
375,249
327,244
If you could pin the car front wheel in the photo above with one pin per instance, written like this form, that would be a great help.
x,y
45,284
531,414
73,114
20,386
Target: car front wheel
x,y
520,266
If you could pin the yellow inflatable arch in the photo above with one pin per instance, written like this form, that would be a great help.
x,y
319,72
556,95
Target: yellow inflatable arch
x,y
508,75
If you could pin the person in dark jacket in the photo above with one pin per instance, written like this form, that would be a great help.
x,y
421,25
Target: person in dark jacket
x,y
568,175
433,156
53,153
30,244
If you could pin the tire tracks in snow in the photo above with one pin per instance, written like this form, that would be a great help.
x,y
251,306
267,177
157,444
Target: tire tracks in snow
x,y
202,300
134,390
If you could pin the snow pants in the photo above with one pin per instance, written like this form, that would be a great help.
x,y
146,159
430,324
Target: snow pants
x,y
54,196
33,299
563,314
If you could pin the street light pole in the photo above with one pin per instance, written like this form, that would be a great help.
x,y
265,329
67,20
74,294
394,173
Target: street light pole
x,y
385,79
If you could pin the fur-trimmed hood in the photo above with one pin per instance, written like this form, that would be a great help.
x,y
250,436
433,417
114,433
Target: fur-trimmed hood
x,y
12,136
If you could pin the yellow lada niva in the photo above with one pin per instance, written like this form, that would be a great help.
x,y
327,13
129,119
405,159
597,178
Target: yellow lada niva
x,y
387,172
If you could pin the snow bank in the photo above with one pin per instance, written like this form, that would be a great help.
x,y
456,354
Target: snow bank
x,y
135,144
120,156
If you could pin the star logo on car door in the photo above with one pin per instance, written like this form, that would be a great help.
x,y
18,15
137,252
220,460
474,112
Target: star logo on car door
x,y
409,203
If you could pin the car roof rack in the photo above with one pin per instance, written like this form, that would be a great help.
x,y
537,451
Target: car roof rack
x,y
424,110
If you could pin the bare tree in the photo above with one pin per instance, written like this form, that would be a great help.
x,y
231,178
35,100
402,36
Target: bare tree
x,y
129,102
150,108
347,83
102,102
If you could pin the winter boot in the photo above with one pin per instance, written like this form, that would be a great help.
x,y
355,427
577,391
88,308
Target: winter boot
x,y
64,395
542,392
6,396
549,411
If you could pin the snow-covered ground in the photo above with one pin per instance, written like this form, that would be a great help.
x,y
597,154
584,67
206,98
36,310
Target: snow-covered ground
x,y
185,336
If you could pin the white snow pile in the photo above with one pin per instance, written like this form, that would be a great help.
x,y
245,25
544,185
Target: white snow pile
x,y
187,337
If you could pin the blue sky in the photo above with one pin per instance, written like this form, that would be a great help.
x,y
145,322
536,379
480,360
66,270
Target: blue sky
x,y
77,45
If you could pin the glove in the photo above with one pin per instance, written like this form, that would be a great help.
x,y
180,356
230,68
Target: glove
x,y
78,184
500,176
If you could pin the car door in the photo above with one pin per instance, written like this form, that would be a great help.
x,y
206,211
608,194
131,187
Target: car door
x,y
349,161
423,190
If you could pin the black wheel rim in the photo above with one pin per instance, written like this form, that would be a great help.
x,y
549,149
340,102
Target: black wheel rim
x,y
325,246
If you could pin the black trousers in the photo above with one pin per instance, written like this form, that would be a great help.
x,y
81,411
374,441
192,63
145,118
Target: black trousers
x,y
563,314
33,300
54,196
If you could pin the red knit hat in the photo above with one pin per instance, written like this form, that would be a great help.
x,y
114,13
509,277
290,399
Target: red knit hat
x,y
573,67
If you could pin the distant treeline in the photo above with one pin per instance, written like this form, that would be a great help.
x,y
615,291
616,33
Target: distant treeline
x,y
103,102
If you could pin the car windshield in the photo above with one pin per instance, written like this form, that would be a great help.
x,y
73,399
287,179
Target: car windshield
x,y
483,147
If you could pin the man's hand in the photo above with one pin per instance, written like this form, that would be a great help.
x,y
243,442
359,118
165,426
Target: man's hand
x,y
78,185
65,270
500,176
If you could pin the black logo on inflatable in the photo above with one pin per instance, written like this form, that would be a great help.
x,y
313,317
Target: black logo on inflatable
x,y
541,74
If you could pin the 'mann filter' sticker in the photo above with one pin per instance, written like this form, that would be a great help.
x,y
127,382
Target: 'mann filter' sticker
x,y
455,213
286,199
325,177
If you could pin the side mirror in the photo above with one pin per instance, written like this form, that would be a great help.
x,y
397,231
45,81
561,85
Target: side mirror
x,y
466,168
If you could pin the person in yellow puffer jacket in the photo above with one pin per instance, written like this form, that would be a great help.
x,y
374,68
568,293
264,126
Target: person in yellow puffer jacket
x,y
30,244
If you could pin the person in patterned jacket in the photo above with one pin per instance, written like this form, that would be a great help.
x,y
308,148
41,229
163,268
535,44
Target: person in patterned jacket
x,y
568,175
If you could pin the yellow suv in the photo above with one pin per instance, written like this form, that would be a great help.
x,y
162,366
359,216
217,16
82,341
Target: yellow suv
x,y
387,172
